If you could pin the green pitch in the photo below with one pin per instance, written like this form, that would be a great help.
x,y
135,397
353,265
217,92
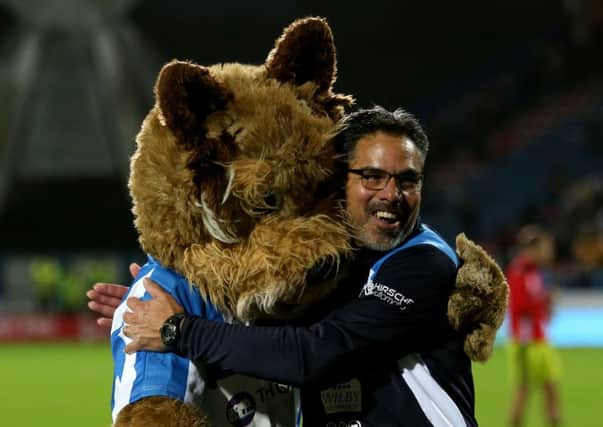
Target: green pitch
x,y
580,390
70,384
55,385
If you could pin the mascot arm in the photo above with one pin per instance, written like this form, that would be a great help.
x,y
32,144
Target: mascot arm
x,y
368,326
478,303
150,374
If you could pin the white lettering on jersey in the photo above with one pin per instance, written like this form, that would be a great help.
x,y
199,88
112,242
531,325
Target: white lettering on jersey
x,y
386,294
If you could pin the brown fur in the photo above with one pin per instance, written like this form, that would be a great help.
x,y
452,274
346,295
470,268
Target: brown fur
x,y
313,38
256,123
477,306
224,180
160,412
282,150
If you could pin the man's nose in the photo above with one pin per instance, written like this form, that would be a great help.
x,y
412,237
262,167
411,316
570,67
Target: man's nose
x,y
391,191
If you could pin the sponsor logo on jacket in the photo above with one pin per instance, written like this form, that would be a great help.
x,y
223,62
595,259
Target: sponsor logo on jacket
x,y
344,397
386,294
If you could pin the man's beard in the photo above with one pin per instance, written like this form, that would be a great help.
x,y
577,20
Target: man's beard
x,y
383,244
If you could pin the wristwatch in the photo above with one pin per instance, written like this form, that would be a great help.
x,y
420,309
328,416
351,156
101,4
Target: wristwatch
x,y
170,330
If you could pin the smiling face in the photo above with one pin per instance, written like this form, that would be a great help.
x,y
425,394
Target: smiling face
x,y
383,218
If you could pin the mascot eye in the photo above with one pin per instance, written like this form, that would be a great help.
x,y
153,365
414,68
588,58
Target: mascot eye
x,y
269,204
272,202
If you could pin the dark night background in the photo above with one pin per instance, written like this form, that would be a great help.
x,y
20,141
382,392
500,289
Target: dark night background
x,y
510,93
475,73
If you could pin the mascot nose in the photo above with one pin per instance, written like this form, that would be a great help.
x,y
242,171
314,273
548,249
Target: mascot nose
x,y
322,271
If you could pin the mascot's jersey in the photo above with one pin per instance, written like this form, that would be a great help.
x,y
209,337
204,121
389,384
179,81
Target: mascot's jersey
x,y
232,400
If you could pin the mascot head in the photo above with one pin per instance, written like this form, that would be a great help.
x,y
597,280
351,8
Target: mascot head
x,y
233,179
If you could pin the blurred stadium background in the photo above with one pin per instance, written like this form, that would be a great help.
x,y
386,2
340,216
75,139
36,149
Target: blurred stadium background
x,y
511,94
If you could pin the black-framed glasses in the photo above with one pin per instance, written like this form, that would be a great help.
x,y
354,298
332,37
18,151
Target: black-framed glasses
x,y
377,179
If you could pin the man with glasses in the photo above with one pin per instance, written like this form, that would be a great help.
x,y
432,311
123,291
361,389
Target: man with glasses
x,y
380,351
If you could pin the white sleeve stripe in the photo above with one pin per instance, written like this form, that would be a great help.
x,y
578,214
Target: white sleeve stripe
x,y
123,385
125,382
436,404
195,386
136,290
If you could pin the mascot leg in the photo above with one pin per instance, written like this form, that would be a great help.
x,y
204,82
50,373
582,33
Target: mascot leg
x,y
159,411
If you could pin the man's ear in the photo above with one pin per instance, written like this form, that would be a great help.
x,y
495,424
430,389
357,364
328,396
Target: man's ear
x,y
304,52
186,94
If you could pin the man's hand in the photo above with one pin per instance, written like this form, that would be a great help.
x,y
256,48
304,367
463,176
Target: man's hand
x,y
145,318
105,297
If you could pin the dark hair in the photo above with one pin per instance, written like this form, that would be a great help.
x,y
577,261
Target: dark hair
x,y
531,235
368,121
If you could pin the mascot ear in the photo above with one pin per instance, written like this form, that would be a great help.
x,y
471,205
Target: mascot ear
x,y
304,52
186,94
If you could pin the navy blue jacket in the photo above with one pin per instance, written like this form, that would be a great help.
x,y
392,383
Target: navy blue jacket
x,y
385,357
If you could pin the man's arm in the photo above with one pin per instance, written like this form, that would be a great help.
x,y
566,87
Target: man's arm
x,y
404,309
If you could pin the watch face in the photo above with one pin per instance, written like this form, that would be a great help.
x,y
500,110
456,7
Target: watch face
x,y
168,333
170,330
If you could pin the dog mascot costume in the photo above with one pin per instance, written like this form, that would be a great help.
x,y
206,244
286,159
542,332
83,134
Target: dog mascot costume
x,y
237,209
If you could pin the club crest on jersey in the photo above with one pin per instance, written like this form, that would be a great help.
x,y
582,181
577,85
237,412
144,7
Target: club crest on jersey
x,y
240,409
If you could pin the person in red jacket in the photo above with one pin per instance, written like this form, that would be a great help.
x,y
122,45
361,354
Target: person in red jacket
x,y
533,362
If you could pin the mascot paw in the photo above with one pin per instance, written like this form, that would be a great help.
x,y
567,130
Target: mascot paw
x,y
478,303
